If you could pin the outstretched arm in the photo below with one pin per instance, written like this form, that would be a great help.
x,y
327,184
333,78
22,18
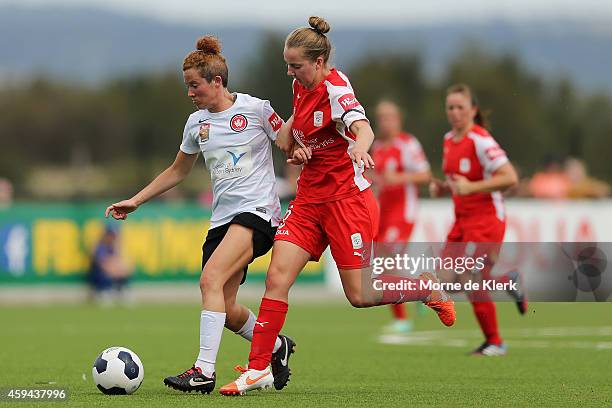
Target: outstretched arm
x,y
169,178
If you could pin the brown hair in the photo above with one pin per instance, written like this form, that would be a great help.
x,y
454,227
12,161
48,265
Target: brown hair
x,y
312,39
481,118
207,59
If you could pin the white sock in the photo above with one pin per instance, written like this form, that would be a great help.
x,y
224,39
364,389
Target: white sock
x,y
211,328
247,331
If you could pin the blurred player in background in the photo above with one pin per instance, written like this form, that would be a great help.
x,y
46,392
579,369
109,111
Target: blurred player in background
x,y
477,171
401,166
233,132
334,204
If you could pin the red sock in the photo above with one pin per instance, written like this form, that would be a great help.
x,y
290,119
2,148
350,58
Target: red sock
x,y
402,295
269,323
399,311
487,318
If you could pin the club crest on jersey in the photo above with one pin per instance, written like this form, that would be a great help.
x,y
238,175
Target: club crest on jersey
x,y
318,119
348,101
391,165
357,241
204,132
238,122
464,165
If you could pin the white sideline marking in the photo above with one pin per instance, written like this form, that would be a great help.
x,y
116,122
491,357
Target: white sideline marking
x,y
544,338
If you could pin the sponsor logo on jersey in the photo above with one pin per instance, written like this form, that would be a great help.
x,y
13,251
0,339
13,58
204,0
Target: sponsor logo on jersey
x,y
282,232
261,210
318,118
298,135
225,163
275,121
204,132
494,152
238,122
464,165
357,241
348,101
236,156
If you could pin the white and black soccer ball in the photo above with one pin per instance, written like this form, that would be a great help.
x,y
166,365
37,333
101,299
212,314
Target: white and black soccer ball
x,y
117,370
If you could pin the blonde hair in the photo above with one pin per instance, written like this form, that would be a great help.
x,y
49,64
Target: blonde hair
x,y
312,39
207,59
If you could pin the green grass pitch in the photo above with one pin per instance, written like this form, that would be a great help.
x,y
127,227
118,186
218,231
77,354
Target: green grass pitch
x,y
560,354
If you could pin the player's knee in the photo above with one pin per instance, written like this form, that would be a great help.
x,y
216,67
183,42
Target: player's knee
x,y
211,281
358,301
276,280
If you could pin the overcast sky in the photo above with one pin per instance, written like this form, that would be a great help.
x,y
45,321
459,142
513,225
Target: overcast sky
x,y
356,12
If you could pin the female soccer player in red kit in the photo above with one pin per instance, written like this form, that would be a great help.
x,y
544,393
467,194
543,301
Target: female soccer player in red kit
x,y
477,171
334,204
401,166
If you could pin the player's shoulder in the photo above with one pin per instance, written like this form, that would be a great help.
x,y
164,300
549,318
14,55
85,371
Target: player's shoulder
x,y
249,101
198,116
337,78
407,139
448,136
479,134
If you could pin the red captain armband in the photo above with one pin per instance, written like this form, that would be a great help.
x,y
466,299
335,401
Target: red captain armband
x,y
348,101
275,121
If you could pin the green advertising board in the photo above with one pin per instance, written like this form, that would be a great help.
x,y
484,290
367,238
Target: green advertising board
x,y
49,243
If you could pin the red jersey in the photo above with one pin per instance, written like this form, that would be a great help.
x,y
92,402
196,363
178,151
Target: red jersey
x,y
321,120
476,157
403,154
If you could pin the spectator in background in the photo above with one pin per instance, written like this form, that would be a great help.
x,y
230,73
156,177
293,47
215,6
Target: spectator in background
x,y
581,185
551,182
6,193
109,272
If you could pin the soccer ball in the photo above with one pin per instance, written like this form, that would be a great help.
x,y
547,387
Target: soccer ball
x,y
117,370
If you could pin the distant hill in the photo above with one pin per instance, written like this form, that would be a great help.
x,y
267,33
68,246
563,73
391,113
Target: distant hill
x,y
91,45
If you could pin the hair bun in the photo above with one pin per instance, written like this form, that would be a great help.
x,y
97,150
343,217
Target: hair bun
x,y
209,45
319,24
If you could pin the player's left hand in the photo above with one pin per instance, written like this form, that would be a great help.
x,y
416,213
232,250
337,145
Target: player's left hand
x,y
362,158
461,185
300,156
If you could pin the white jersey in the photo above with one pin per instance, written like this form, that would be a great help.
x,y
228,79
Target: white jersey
x,y
236,146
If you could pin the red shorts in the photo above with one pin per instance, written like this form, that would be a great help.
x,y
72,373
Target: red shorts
x,y
485,229
477,228
395,232
349,226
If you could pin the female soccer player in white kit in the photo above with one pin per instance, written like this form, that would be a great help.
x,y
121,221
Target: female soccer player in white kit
x,y
233,132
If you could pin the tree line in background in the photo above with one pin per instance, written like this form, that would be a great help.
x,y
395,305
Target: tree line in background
x,y
110,140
